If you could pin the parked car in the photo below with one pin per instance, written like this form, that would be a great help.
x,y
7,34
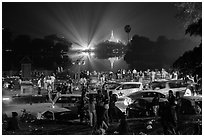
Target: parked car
x,y
191,115
69,101
123,102
54,113
165,86
191,105
126,88
142,107
146,93
111,85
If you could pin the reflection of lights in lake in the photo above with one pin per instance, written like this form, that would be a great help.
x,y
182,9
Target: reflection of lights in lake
x,y
96,59
112,60
94,63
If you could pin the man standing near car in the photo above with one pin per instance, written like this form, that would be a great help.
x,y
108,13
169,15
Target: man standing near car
x,y
155,104
112,109
178,108
92,110
100,109
172,103
39,86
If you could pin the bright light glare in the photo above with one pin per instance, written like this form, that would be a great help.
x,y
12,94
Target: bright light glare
x,y
85,53
92,53
91,48
125,102
6,99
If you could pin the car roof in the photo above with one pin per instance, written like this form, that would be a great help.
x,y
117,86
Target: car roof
x,y
149,99
198,98
165,81
130,82
92,92
144,91
56,110
70,95
111,82
149,90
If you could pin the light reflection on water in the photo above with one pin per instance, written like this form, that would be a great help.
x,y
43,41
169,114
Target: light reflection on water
x,y
90,61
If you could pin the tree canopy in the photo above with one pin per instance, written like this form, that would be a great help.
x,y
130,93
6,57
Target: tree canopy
x,y
46,53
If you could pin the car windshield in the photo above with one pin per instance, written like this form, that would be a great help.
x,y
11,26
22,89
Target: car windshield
x,y
177,84
67,100
153,94
130,86
111,85
159,85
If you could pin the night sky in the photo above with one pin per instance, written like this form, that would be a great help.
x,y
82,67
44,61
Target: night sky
x,y
93,20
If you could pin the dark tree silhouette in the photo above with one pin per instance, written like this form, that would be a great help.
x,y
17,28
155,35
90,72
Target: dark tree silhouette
x,y
191,14
109,49
195,28
127,30
47,53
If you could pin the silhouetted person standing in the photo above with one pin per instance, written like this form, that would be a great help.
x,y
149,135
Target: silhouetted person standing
x,y
82,105
155,105
166,118
92,111
178,109
13,122
100,109
112,109
172,104
123,128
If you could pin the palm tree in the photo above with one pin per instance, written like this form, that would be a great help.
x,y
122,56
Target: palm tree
x,y
127,30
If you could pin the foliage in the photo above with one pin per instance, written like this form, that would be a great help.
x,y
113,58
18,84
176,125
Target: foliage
x,y
189,12
195,28
109,49
47,53
190,62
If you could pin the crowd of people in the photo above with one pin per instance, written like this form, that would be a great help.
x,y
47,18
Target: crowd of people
x,y
100,108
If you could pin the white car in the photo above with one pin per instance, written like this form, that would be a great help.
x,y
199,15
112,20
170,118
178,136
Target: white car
x,y
122,103
174,85
126,88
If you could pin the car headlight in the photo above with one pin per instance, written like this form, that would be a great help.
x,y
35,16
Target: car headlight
x,y
127,101
6,99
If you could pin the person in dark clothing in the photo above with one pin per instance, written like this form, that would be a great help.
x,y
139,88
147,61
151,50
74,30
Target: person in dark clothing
x,y
70,87
112,110
123,128
59,89
82,105
106,105
64,88
166,118
177,109
100,109
172,103
13,122
155,104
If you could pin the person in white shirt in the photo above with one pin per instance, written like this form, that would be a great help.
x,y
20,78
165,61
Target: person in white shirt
x,y
52,81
